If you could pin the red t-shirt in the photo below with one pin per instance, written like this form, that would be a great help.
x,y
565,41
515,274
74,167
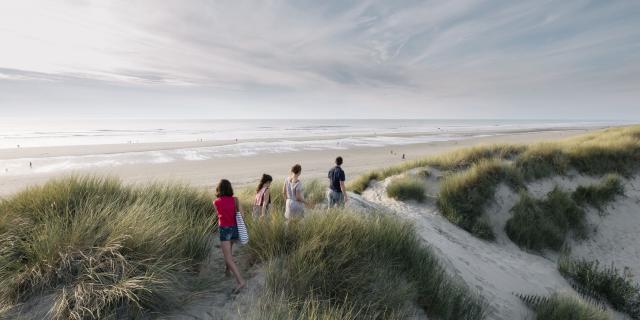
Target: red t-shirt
x,y
226,209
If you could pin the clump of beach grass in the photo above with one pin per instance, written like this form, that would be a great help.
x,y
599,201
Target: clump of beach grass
x,y
542,160
563,307
372,266
276,307
616,287
424,173
464,195
407,188
598,195
464,158
540,224
455,160
614,150
102,248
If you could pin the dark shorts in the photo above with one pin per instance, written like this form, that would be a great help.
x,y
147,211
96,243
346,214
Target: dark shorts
x,y
229,233
336,199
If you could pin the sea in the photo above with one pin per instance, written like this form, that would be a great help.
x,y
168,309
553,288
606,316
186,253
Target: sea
x,y
235,138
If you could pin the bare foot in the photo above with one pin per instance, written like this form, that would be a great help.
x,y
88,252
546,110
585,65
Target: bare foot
x,y
240,286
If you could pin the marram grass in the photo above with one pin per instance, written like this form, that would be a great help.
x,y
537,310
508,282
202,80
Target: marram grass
x,y
472,174
603,282
407,188
538,224
370,266
463,196
563,307
102,248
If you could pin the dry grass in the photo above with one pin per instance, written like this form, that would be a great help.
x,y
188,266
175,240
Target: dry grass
x,y
541,224
598,195
464,195
105,250
372,266
616,286
407,188
102,248
563,307
472,174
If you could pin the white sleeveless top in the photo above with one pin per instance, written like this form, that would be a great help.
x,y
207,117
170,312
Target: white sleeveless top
x,y
293,207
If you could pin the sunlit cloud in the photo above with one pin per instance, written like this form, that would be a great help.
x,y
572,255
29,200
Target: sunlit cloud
x,y
274,58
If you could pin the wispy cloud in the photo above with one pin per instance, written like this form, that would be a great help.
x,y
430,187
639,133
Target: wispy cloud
x,y
429,58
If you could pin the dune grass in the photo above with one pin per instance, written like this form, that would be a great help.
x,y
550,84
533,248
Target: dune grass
x,y
563,307
598,195
617,287
407,188
464,195
280,307
361,183
472,174
465,158
372,266
539,224
614,150
106,250
458,159
100,247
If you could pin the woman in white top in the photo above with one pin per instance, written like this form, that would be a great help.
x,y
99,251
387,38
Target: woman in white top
x,y
294,194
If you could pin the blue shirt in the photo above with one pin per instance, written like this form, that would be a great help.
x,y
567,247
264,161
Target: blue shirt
x,y
336,175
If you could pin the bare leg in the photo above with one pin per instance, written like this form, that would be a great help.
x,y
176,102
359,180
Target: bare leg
x,y
227,272
228,259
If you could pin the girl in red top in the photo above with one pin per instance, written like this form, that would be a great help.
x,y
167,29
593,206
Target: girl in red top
x,y
227,206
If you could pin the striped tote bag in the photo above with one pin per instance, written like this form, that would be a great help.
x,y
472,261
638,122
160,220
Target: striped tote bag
x,y
242,228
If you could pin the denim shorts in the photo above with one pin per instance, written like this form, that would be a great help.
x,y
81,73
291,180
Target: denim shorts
x,y
229,233
336,199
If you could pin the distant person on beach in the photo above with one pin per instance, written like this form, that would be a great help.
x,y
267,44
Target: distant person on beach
x,y
227,205
30,165
263,197
294,194
337,190
403,156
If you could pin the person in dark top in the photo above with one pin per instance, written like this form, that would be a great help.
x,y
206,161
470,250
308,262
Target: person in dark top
x,y
337,190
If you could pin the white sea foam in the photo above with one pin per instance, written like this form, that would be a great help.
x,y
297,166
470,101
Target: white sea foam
x,y
255,137
33,133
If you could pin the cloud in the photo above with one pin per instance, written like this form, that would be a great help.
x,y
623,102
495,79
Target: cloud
x,y
428,56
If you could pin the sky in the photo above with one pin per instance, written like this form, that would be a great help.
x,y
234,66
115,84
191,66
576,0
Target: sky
x,y
568,59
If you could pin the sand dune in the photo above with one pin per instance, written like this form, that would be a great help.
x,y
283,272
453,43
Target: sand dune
x,y
498,270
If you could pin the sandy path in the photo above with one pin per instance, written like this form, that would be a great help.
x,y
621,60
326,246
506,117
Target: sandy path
x,y
499,269
216,300
495,271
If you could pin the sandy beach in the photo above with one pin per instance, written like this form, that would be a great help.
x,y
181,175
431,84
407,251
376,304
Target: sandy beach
x,y
245,169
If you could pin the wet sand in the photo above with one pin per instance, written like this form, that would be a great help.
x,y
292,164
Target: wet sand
x,y
247,169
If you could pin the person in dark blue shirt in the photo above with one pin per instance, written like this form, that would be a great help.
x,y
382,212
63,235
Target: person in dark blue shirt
x,y
337,190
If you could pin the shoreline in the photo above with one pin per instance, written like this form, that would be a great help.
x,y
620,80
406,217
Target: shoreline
x,y
121,148
247,169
